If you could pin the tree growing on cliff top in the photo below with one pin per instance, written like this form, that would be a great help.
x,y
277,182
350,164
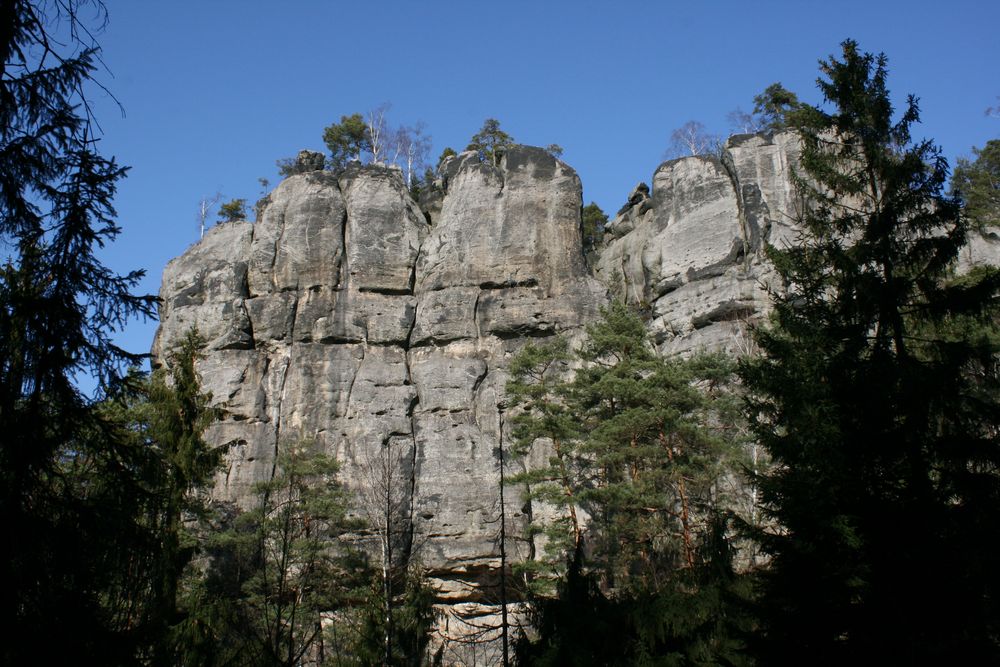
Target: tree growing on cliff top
x,y
347,140
877,397
490,141
691,138
413,146
776,107
233,210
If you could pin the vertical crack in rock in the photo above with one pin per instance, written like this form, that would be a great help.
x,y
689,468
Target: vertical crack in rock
x,y
274,254
730,168
293,321
246,316
411,410
475,314
276,419
354,376
342,275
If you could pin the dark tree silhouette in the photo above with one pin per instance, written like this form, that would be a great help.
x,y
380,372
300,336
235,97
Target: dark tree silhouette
x,y
59,306
877,397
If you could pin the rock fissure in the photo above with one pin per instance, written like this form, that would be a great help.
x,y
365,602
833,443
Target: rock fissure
x,y
276,420
475,315
734,179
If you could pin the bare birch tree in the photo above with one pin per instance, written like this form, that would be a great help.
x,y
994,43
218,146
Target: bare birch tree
x,y
379,134
742,122
413,147
691,138
385,499
205,206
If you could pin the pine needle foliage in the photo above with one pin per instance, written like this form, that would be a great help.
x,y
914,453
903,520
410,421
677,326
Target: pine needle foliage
x,y
628,494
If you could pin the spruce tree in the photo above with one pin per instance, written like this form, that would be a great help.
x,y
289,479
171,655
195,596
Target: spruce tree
x,y
172,421
876,397
59,306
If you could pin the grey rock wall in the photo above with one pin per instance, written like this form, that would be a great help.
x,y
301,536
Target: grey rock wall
x,y
692,255
342,317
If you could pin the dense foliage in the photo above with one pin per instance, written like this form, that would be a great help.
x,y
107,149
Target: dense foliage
x,y
877,398
639,459
58,308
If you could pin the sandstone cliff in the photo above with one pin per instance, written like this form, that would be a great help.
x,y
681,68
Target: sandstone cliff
x,y
344,317
692,253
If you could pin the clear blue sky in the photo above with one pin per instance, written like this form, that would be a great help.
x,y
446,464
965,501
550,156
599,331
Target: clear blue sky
x,y
215,91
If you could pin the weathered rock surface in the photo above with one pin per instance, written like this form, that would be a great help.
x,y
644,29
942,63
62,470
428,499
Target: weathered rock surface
x,y
691,255
343,317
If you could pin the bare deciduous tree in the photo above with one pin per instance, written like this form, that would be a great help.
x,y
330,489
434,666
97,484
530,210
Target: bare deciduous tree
x,y
412,147
205,206
742,122
386,501
379,134
691,138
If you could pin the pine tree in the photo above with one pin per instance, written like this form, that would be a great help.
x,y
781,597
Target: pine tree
x,y
639,449
653,451
490,141
347,140
876,398
538,389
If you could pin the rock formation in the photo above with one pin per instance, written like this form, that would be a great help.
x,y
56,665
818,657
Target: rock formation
x,y
344,317
692,254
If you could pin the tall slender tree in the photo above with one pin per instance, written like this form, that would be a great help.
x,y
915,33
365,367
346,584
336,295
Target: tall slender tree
x,y
877,398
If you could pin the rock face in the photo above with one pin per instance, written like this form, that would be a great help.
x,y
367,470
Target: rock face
x,y
342,317
691,256
345,318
